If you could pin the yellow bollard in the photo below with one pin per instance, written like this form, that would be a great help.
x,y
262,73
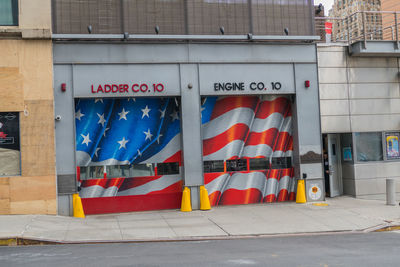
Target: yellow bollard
x,y
301,192
204,199
77,206
186,203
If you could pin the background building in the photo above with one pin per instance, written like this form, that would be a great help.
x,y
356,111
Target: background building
x,y
388,20
360,118
353,22
27,156
320,23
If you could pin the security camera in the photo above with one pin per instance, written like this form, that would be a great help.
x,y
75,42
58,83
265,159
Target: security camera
x,y
58,118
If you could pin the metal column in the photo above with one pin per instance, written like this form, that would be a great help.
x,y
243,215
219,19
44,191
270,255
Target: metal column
x,y
191,131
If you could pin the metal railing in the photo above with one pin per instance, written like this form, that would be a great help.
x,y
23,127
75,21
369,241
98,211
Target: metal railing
x,y
183,17
362,26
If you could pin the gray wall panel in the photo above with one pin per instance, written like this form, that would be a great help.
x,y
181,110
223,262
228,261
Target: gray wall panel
x,y
375,106
308,120
374,90
333,91
191,124
335,124
349,187
182,53
331,59
88,78
248,75
377,170
334,107
332,75
376,62
373,75
375,123
64,106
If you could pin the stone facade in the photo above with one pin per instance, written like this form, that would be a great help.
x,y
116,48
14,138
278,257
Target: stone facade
x,y
26,75
359,95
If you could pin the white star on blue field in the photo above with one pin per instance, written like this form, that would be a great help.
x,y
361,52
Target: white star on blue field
x,y
125,129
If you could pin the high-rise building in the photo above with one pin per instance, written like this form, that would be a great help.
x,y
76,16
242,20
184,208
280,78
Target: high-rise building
x,y
353,22
388,20
320,22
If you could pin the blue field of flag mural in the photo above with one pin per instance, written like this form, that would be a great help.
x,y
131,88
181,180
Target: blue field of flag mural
x,y
126,131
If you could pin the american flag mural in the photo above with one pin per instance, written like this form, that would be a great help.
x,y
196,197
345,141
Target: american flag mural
x,y
245,127
123,132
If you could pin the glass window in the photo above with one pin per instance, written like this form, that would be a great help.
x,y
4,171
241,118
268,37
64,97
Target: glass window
x,y
281,163
346,148
259,164
236,165
9,144
8,12
167,168
213,166
91,172
392,145
135,170
117,171
369,146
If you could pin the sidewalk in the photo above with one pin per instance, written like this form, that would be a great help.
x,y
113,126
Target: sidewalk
x,y
342,214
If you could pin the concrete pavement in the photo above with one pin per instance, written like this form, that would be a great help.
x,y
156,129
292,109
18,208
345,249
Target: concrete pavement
x,y
342,214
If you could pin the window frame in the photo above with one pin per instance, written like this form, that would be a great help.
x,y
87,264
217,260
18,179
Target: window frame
x,y
383,143
385,158
15,14
19,149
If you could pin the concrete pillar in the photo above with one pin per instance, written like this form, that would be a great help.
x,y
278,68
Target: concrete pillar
x,y
192,144
307,145
390,192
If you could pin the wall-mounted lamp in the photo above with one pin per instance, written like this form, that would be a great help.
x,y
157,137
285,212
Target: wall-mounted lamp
x,y
63,87
307,84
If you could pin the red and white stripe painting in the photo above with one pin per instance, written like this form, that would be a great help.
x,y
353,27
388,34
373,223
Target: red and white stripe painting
x,y
249,127
232,188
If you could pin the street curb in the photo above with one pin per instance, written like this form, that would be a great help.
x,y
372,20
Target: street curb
x,y
38,241
18,241
388,228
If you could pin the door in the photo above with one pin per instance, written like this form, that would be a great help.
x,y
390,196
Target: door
x,y
335,173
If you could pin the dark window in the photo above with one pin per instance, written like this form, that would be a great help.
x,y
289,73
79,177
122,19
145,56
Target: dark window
x,y
213,166
167,168
259,164
8,12
236,165
369,146
9,144
281,163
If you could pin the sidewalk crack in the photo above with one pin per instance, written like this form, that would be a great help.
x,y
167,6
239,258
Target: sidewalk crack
x,y
227,233
119,227
170,227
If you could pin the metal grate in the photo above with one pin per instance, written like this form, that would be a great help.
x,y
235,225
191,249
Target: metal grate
x,y
197,17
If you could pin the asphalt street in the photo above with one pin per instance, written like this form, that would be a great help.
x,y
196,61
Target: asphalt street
x,y
369,249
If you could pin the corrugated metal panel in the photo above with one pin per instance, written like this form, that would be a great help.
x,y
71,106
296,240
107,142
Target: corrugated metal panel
x,y
269,17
